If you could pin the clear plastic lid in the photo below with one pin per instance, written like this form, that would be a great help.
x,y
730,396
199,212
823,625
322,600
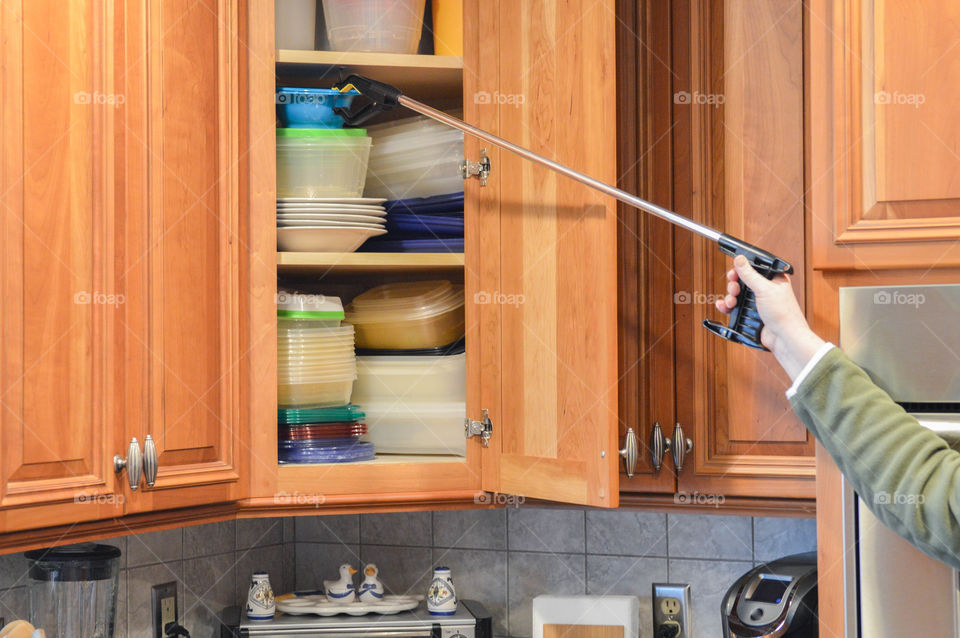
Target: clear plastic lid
x,y
451,301
407,294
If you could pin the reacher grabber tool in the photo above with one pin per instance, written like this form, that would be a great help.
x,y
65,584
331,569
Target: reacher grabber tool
x,y
744,325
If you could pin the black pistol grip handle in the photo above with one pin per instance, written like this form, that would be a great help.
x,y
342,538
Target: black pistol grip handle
x,y
382,97
745,325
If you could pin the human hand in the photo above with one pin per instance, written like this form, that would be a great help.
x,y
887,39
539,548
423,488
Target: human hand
x,y
785,331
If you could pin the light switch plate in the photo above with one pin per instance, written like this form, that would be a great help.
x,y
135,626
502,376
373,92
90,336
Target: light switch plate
x,y
165,608
671,605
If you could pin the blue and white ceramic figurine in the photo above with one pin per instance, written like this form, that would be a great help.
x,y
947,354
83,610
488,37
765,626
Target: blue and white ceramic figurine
x,y
442,597
343,589
260,602
371,589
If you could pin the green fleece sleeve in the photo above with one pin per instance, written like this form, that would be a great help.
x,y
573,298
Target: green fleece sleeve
x,y
904,473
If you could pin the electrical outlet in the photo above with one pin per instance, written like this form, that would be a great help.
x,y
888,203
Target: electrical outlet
x,y
165,609
671,608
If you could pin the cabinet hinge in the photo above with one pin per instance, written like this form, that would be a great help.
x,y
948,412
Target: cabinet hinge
x,y
482,428
480,170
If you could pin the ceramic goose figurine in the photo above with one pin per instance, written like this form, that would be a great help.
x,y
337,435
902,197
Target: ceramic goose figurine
x,y
343,589
371,589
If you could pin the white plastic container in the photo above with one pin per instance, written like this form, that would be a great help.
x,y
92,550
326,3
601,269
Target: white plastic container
x,y
295,22
321,162
395,427
406,379
384,26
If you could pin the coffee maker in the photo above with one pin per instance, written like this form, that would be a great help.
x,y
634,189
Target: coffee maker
x,y
774,600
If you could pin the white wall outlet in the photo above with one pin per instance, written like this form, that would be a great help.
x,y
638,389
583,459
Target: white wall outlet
x,y
671,610
164,599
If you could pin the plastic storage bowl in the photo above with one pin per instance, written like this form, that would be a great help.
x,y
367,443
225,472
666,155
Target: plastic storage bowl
x,y
384,26
311,108
408,315
321,162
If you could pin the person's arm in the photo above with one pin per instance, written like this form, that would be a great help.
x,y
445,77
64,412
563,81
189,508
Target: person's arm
x,y
904,473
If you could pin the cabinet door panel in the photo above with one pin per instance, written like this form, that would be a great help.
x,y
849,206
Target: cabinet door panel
x,y
186,252
61,302
884,133
746,178
556,296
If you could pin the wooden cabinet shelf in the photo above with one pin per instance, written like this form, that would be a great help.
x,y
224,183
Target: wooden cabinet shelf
x,y
424,76
320,264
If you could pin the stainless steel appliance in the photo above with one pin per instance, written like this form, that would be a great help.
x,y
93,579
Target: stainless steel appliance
x,y
907,338
73,590
470,621
773,600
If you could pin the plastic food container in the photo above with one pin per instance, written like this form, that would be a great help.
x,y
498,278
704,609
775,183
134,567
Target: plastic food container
x,y
295,24
408,315
385,26
384,379
297,311
448,27
333,392
321,162
416,428
311,108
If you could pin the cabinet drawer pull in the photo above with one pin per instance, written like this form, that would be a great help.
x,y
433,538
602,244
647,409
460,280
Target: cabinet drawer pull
x,y
681,447
150,461
629,453
659,446
133,463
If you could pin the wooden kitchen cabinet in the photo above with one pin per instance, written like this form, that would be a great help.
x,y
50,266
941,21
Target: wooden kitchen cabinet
x,y
124,256
723,134
60,385
544,369
884,139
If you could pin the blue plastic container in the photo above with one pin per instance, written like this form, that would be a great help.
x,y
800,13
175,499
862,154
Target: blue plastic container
x,y
311,108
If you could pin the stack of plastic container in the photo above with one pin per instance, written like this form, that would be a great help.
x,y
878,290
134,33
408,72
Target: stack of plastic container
x,y
414,157
321,162
316,368
411,377
316,364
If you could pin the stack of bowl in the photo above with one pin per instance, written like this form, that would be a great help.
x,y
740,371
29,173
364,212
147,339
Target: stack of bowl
x,y
316,364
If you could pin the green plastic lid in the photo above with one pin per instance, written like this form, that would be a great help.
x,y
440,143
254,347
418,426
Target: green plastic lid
x,y
293,416
321,132
311,314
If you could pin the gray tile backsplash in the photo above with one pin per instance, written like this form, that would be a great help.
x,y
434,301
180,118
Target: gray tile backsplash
x,y
501,557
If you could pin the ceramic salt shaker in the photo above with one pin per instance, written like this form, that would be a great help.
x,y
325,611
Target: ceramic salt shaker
x,y
260,602
442,597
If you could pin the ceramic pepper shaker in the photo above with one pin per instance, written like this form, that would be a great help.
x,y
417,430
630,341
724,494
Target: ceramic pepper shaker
x,y
260,602
442,597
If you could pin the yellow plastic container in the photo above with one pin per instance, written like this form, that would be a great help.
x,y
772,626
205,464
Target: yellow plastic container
x,y
448,27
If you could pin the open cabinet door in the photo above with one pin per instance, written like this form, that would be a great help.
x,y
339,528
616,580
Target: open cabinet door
x,y
549,304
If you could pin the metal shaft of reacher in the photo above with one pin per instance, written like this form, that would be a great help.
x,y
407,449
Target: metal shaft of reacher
x,y
616,193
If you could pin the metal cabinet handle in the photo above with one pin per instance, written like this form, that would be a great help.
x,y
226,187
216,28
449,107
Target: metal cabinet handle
x,y
630,453
133,464
682,446
150,461
659,446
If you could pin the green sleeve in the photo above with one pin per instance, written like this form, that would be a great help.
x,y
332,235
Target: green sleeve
x,y
905,474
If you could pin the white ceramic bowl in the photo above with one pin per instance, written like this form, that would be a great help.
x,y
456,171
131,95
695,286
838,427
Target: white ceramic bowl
x,y
342,239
